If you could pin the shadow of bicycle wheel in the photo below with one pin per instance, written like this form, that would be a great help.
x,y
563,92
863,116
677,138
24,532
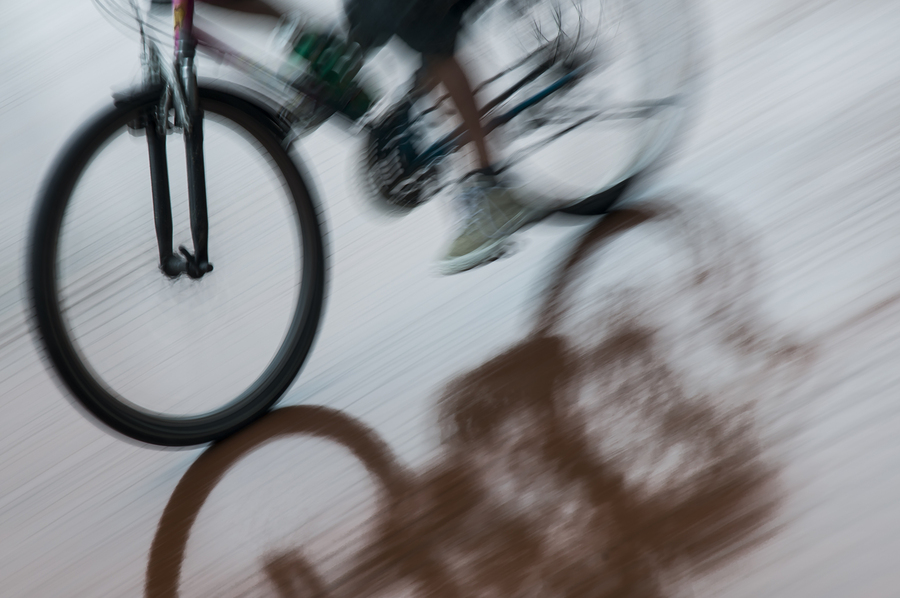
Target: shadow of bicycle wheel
x,y
586,460
167,551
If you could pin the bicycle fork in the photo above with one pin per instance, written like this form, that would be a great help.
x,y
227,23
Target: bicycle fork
x,y
182,91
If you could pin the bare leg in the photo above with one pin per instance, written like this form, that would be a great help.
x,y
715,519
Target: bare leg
x,y
449,72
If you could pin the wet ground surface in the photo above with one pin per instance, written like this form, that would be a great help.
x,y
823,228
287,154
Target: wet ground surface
x,y
694,396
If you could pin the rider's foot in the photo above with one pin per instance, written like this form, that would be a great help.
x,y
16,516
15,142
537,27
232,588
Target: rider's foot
x,y
493,215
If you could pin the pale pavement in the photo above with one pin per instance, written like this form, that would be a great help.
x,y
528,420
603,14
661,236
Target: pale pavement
x,y
791,172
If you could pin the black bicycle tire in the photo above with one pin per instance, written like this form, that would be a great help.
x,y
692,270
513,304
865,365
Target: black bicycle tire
x,y
602,202
606,198
146,427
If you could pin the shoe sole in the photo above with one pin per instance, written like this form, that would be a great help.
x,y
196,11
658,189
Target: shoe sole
x,y
479,257
488,253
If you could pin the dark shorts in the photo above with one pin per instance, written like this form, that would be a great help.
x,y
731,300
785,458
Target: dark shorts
x,y
422,24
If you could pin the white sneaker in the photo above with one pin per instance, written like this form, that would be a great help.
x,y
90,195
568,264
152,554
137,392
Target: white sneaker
x,y
494,215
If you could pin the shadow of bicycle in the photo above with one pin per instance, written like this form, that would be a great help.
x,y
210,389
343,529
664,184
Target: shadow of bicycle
x,y
612,452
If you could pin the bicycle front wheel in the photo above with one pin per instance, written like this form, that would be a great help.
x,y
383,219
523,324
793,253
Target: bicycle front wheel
x,y
177,362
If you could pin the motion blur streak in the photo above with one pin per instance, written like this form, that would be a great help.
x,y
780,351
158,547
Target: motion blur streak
x,y
693,396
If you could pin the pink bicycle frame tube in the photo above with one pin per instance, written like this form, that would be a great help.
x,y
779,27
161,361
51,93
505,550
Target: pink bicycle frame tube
x,y
183,18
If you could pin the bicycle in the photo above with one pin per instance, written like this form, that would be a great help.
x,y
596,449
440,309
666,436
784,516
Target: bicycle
x,y
109,300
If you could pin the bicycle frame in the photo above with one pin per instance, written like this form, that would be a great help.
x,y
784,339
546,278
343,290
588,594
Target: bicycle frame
x,y
180,90
181,94
459,136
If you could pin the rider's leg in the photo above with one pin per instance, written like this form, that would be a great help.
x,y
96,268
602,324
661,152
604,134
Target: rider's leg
x,y
493,212
448,71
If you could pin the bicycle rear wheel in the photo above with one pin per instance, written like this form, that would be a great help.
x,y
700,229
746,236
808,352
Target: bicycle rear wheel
x,y
632,68
177,362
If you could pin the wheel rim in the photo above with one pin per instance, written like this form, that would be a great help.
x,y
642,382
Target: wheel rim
x,y
183,353
620,116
